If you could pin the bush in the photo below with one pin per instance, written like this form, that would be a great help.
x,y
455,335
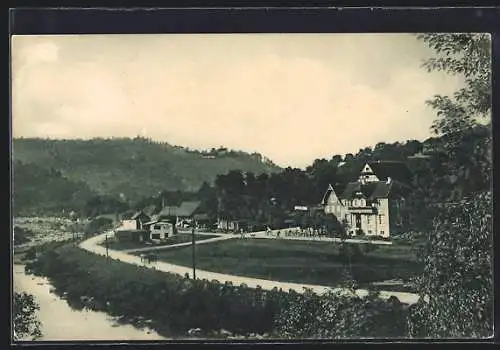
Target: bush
x,y
336,315
26,323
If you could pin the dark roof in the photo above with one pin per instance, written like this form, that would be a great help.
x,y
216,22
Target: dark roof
x,y
337,188
168,211
150,210
188,208
327,194
370,190
139,214
201,217
185,209
127,215
395,170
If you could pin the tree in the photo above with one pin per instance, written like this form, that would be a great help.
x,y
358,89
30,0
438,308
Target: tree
x,y
457,280
208,198
26,323
459,117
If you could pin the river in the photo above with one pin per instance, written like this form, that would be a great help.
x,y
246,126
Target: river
x,y
61,323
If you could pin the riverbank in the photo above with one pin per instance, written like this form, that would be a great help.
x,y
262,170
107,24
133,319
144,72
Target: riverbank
x,y
61,323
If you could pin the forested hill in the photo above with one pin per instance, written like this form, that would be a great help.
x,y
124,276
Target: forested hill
x,y
100,176
134,167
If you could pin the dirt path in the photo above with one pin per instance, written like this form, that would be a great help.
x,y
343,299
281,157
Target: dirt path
x,y
92,245
60,322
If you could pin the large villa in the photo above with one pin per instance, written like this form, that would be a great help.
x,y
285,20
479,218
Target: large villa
x,y
376,203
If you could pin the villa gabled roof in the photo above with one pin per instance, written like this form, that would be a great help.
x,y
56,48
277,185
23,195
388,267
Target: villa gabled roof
x,y
337,189
391,169
328,192
370,190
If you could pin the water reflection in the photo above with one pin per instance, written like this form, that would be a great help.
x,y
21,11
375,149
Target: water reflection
x,y
61,323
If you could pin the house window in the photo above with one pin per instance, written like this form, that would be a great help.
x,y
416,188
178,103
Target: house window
x,y
369,220
157,227
381,233
369,232
155,236
381,219
355,202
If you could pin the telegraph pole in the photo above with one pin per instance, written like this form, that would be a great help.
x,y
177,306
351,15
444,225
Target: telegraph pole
x,y
107,246
194,252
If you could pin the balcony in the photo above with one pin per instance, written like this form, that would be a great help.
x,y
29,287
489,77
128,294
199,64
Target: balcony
x,y
363,210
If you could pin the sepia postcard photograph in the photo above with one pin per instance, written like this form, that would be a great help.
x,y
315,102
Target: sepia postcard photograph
x,y
269,187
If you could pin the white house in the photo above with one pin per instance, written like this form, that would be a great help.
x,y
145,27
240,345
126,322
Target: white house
x,y
159,230
373,205
128,224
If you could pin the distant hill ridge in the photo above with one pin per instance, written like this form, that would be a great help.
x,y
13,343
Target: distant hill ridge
x,y
136,167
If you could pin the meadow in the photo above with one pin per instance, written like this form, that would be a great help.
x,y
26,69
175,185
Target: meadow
x,y
309,262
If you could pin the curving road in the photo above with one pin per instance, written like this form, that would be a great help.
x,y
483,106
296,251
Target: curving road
x,y
92,245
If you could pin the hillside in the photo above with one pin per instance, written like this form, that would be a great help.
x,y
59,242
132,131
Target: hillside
x,y
134,167
36,189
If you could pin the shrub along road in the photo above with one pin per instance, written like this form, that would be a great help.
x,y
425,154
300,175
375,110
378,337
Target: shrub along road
x,y
93,245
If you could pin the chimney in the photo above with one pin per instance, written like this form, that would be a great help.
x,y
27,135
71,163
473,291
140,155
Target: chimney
x,y
389,180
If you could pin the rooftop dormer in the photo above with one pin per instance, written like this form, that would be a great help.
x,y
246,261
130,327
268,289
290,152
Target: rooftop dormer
x,y
385,171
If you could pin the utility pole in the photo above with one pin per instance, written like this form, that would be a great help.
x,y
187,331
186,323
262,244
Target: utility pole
x,y
194,252
107,246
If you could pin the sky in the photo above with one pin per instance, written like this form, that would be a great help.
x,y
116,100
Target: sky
x,y
291,97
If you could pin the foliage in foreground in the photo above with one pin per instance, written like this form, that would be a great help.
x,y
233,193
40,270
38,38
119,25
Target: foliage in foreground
x,y
26,323
457,281
456,287
176,304
336,315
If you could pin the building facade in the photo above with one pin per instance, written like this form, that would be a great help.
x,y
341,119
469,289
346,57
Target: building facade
x,y
376,203
161,230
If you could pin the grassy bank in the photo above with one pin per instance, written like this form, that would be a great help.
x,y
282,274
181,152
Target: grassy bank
x,y
300,261
175,304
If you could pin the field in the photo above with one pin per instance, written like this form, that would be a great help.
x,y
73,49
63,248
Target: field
x,y
301,262
178,238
